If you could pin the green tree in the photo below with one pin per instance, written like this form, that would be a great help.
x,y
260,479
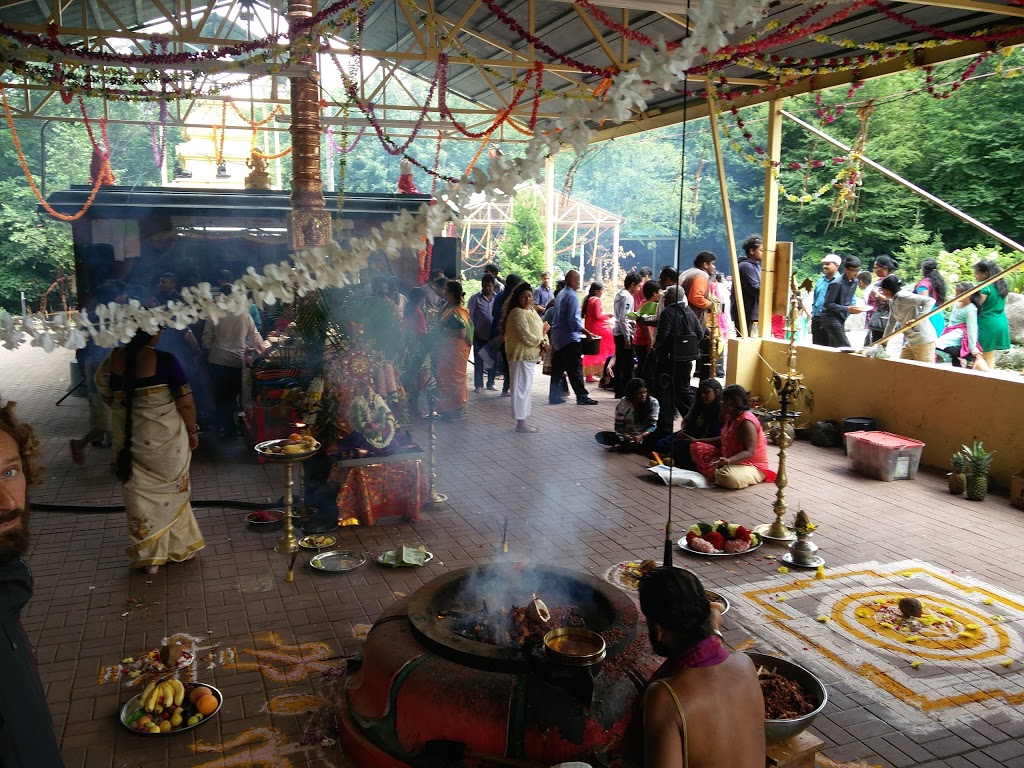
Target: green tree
x,y
522,246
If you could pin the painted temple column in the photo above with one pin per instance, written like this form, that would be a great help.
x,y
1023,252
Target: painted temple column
x,y
310,220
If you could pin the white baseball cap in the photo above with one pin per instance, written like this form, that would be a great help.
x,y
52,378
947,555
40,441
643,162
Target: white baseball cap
x,y
832,259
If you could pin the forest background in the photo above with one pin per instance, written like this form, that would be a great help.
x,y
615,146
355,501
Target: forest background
x,y
958,140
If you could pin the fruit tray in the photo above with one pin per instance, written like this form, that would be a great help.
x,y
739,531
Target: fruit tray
x,y
154,712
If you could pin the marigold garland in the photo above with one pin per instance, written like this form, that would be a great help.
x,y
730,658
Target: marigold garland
x,y
16,141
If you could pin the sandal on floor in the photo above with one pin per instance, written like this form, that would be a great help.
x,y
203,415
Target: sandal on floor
x,y
530,430
77,452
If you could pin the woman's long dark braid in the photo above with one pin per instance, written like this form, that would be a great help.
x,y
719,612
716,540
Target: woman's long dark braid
x,y
123,466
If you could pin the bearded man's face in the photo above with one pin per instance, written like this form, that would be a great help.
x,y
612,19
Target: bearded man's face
x,y
13,507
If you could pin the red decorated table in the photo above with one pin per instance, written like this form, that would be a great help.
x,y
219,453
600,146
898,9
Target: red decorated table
x,y
375,488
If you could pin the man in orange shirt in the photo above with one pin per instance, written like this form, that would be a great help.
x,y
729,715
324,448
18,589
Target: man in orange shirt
x,y
695,282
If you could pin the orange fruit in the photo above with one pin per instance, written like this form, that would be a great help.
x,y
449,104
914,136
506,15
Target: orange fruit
x,y
207,704
198,692
295,436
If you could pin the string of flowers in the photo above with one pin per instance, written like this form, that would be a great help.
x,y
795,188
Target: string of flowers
x,y
254,124
390,145
503,115
356,36
343,147
16,141
761,159
929,78
501,15
313,268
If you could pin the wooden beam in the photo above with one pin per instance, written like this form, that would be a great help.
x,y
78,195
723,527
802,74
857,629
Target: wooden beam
x,y
598,37
977,7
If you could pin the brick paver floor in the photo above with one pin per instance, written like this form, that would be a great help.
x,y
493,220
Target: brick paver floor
x,y
275,648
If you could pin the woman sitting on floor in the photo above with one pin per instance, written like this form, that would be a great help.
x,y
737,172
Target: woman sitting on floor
x,y
703,421
636,418
739,458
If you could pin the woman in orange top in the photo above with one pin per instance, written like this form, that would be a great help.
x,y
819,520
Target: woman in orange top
x,y
739,458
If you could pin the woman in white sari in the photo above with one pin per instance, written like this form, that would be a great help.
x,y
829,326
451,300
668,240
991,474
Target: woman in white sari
x,y
154,434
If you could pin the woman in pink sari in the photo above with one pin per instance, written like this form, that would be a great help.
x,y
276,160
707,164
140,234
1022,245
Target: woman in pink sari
x,y
739,458
596,321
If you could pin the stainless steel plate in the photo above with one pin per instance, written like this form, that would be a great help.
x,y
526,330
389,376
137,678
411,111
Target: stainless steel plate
x,y
317,541
683,546
787,558
337,561
132,706
263,449
252,520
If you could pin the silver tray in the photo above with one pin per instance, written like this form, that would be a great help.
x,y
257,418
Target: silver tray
x,y
337,561
308,542
132,705
261,449
683,546
253,521
381,561
787,558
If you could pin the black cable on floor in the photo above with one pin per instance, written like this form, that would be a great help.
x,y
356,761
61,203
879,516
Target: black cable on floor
x,y
231,503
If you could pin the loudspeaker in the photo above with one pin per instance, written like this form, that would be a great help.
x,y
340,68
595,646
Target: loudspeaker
x,y
445,256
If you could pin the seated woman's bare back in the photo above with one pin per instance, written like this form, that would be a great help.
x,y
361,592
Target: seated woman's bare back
x,y
724,713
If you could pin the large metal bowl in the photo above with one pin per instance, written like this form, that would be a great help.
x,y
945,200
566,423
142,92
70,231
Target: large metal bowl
x,y
777,731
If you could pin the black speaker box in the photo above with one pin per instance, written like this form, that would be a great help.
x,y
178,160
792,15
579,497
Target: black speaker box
x,y
445,256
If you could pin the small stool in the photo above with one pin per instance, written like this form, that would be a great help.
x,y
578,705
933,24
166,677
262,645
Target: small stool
x,y
798,752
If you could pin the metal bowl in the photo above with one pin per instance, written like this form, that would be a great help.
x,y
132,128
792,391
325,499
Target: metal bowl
x,y
777,731
575,646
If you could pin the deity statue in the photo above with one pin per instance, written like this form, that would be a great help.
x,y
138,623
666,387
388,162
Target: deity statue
x,y
406,185
259,178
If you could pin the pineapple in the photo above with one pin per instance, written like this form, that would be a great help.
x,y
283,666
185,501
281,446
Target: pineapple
x,y
978,461
957,479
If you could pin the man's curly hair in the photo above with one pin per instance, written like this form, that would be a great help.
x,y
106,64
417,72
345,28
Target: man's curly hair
x,y
25,437
676,600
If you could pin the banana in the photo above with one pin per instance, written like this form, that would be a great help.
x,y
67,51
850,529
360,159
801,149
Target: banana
x,y
146,694
150,703
168,693
179,691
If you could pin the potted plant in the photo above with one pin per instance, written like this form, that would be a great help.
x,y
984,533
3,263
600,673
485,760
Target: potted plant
x,y
978,461
956,479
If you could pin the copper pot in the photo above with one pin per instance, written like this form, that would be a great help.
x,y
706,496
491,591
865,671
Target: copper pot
x,y
575,646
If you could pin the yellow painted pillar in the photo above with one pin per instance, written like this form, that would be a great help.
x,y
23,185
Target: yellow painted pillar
x,y
771,218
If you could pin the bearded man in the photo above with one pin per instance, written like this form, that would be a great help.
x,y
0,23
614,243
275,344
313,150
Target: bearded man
x,y
26,728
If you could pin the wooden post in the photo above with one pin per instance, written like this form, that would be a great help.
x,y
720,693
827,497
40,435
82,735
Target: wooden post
x,y
549,213
771,218
310,219
730,235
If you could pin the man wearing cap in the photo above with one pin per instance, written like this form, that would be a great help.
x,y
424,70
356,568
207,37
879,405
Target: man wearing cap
x,y
830,269
839,304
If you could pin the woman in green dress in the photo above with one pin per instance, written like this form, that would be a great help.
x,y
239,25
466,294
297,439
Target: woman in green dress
x,y
993,327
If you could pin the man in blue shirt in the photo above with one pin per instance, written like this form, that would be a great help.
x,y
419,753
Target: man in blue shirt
x,y
480,308
566,350
833,297
542,294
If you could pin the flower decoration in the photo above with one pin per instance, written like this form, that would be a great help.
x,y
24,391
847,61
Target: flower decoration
x,y
720,537
373,420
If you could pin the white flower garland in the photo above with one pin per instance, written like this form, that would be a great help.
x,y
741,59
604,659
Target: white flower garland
x,y
329,266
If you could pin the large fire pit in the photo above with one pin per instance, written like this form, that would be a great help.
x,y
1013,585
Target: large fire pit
x,y
455,668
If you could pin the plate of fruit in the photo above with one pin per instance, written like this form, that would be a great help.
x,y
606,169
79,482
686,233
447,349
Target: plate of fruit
x,y
292,448
167,707
719,539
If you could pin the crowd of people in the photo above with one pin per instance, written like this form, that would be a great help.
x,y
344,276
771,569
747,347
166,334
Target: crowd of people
x,y
970,335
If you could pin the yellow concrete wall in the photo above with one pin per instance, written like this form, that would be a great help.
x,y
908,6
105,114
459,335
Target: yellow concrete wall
x,y
941,406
